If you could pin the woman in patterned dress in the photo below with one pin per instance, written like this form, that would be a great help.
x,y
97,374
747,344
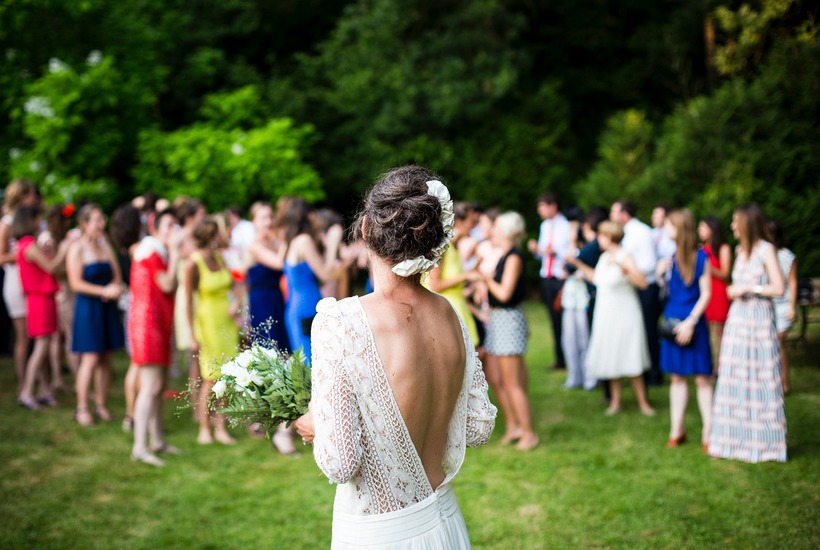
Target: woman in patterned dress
x,y
749,420
151,323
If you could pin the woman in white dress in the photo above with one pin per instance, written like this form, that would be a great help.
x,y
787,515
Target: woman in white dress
x,y
398,392
617,345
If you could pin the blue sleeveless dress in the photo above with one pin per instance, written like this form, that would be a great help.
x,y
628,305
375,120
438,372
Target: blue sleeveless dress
x,y
97,324
303,295
267,307
696,358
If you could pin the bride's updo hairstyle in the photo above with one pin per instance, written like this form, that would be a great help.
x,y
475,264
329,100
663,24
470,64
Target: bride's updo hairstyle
x,y
403,219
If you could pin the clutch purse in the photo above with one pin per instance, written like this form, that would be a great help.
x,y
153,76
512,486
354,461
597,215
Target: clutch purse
x,y
667,328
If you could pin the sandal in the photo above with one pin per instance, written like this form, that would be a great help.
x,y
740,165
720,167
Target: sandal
x,y
47,400
102,413
29,403
148,458
167,449
83,417
128,424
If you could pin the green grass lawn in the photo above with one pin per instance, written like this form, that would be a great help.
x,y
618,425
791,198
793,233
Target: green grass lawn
x,y
595,481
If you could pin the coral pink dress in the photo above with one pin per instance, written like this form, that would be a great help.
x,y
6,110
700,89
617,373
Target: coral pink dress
x,y
718,307
39,286
151,322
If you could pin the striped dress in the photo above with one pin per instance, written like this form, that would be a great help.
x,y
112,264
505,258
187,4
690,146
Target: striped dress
x,y
749,420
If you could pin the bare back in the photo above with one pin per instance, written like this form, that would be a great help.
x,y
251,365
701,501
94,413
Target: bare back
x,y
421,347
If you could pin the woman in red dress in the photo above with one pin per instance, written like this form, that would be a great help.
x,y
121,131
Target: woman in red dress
x,y
39,286
153,282
720,256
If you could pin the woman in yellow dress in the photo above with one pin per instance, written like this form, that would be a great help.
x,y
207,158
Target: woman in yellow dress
x,y
216,336
448,278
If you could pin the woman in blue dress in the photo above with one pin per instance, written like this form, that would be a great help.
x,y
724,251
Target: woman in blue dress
x,y
94,275
309,262
265,257
690,288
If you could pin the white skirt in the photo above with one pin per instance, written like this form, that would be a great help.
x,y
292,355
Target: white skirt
x,y
434,523
13,292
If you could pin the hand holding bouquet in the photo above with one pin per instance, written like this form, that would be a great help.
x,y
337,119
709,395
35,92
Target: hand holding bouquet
x,y
261,385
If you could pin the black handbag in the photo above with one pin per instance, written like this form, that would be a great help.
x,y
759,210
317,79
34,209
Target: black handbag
x,y
667,328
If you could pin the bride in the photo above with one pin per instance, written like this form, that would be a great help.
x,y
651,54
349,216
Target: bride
x,y
398,392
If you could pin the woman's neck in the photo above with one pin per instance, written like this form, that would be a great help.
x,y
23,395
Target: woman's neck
x,y
387,284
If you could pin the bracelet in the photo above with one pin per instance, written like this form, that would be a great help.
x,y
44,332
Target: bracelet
x,y
757,290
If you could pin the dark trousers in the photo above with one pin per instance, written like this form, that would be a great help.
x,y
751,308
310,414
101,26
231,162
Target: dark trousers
x,y
549,291
651,309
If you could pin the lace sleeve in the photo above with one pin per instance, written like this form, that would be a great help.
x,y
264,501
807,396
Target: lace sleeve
x,y
337,445
480,411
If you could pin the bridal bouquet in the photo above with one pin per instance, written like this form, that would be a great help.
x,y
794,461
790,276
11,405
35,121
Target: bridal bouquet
x,y
261,385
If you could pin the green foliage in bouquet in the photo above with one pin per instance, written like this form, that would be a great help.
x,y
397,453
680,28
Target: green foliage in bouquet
x,y
261,385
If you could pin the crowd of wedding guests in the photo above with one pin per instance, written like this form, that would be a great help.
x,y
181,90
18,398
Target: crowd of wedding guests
x,y
181,288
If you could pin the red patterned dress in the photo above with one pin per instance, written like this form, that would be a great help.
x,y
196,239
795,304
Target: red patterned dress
x,y
151,322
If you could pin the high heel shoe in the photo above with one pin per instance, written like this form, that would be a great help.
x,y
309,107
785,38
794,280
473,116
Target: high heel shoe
x,y
675,442
29,403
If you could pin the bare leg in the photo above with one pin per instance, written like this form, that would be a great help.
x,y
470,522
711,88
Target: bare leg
x,y
102,381
492,371
678,398
85,372
784,362
132,381
718,343
640,392
204,437
705,392
33,371
615,399
20,350
195,385
513,379
54,357
144,410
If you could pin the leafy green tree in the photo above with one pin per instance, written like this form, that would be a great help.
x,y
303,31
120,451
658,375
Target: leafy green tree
x,y
226,158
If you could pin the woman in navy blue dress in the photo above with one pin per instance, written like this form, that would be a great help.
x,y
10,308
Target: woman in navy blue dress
x,y
94,275
690,288
265,257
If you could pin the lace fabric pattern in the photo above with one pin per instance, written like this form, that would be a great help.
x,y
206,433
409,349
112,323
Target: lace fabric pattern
x,y
361,440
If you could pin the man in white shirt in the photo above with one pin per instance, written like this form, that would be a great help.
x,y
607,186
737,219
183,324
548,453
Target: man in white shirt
x,y
639,242
552,247
664,246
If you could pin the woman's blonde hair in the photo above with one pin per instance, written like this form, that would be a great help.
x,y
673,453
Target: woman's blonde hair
x,y
686,240
613,230
512,226
14,194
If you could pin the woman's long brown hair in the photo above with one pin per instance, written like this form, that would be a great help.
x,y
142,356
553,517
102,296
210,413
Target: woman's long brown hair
x,y
686,241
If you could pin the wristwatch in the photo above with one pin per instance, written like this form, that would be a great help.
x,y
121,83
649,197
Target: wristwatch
x,y
757,290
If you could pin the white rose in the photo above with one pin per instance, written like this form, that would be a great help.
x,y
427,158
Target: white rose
x,y
256,378
220,387
232,369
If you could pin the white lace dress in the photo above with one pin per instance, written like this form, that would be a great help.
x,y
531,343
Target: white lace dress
x,y
383,498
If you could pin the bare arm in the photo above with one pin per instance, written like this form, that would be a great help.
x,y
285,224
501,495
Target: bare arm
x,y
793,291
74,271
36,255
259,253
437,284
685,330
323,267
6,257
512,271
725,255
633,274
167,280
